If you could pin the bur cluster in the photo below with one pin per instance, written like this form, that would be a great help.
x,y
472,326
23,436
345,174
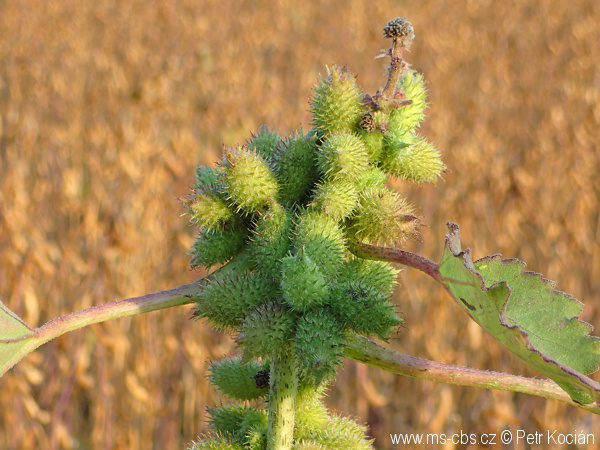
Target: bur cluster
x,y
284,213
242,426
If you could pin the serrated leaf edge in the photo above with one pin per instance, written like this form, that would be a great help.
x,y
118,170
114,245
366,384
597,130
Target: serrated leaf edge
x,y
591,387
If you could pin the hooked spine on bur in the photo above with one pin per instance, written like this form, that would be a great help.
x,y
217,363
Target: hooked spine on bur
x,y
284,211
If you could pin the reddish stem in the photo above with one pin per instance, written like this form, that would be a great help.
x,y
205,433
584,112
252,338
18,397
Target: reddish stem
x,y
400,256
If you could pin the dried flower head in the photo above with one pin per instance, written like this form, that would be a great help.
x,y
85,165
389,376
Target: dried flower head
x,y
399,28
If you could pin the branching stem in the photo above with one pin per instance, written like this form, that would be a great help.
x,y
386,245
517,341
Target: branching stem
x,y
358,348
395,71
400,256
367,352
35,338
402,34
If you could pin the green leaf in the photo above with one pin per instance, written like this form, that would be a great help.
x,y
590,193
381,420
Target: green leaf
x,y
16,338
524,312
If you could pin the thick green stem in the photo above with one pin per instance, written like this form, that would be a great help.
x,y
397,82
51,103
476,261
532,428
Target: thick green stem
x,y
283,390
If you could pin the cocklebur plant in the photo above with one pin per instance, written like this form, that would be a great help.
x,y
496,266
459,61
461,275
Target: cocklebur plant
x,y
289,210
304,229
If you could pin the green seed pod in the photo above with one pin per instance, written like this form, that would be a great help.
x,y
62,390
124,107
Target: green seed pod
x,y
374,126
380,121
379,274
374,177
412,158
228,298
340,433
236,380
266,329
226,419
408,118
346,433
321,239
310,444
217,246
373,141
343,157
234,421
249,183
302,283
335,199
360,297
383,218
336,105
364,308
217,442
208,211
208,180
295,167
311,414
319,345
270,240
256,434
265,143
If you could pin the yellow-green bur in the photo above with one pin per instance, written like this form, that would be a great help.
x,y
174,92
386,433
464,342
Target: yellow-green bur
x,y
217,246
321,239
337,103
315,428
209,211
302,283
270,240
266,329
249,183
232,424
383,217
296,170
343,157
408,118
319,345
411,158
235,379
336,199
228,298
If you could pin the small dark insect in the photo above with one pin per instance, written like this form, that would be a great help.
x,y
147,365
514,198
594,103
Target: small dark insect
x,y
261,379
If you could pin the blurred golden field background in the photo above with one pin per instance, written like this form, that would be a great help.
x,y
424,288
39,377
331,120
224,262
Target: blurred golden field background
x,y
106,108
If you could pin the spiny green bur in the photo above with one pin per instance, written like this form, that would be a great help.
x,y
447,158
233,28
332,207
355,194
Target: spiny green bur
x,y
284,211
236,380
